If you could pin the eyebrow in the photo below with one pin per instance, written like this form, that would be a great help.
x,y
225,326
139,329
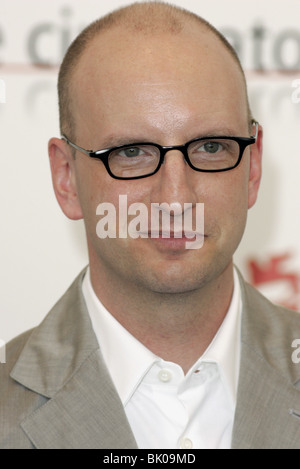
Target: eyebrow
x,y
116,141
120,141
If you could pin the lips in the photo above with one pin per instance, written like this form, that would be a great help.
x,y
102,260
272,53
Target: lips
x,y
174,240
168,234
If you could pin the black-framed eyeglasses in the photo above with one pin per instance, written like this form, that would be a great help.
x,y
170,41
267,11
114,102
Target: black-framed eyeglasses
x,y
143,159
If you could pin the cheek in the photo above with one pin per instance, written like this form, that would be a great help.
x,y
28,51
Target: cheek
x,y
236,208
89,177
226,203
98,190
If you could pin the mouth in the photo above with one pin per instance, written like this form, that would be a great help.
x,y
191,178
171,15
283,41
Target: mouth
x,y
168,234
175,240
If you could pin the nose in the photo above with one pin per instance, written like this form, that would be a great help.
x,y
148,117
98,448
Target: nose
x,y
175,182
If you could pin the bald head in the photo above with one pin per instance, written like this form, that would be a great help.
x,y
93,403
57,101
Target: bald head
x,y
143,20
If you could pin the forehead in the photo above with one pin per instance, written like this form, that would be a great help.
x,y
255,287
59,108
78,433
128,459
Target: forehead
x,y
120,46
120,68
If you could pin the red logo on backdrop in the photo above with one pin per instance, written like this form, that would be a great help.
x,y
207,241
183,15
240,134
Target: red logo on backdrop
x,y
282,283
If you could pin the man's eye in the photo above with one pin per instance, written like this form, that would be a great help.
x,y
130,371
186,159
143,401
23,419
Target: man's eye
x,y
130,152
211,147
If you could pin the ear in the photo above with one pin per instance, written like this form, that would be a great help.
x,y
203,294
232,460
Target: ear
x,y
255,168
62,165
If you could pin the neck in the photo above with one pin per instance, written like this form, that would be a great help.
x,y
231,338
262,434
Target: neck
x,y
177,327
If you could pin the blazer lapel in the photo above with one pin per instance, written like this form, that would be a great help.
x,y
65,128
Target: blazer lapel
x,y
268,401
85,414
62,362
268,408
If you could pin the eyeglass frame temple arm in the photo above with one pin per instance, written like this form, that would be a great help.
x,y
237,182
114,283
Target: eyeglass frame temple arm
x,y
254,122
77,147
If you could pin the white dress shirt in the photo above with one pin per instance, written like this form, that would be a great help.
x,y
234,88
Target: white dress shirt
x,y
165,408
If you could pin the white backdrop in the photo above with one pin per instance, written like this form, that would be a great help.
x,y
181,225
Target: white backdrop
x,y
41,251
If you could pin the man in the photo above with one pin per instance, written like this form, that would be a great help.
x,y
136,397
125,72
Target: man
x,y
155,345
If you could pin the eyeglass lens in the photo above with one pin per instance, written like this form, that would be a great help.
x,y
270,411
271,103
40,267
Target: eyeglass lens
x,y
207,154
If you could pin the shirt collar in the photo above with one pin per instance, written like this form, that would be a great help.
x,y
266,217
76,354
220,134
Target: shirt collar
x,y
225,347
128,360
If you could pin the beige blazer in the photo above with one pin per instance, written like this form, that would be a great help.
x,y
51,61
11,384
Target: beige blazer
x,y
56,393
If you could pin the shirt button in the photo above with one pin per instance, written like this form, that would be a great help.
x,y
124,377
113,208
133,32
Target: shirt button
x,y
165,376
200,368
186,443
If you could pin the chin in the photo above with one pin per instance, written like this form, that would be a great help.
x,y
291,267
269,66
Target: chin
x,y
172,282
183,278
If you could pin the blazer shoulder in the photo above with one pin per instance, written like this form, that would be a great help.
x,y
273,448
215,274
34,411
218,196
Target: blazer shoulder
x,y
13,350
270,330
269,312
40,361
15,399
